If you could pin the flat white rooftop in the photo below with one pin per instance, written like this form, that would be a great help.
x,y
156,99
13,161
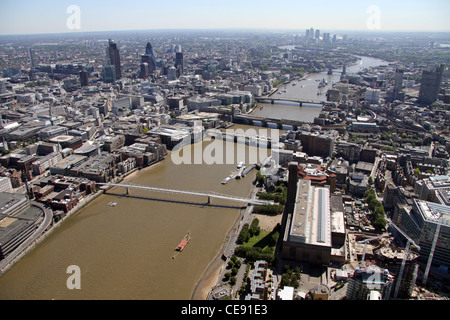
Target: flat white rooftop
x,y
311,220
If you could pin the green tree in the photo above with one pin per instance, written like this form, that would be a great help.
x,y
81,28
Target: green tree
x,y
254,228
380,223
244,235
260,178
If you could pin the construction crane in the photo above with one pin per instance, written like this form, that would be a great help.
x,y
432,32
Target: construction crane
x,y
407,248
365,241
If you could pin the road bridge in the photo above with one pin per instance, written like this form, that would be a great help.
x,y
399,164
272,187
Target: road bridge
x,y
209,195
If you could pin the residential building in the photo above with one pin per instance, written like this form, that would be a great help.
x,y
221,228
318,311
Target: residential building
x,y
258,281
364,282
430,85
373,95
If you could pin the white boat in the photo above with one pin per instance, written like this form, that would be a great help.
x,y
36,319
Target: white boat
x,y
241,172
225,181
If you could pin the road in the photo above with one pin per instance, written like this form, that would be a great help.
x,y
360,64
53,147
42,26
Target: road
x,y
229,251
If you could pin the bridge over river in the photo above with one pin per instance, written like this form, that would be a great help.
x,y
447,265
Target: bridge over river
x,y
209,195
298,101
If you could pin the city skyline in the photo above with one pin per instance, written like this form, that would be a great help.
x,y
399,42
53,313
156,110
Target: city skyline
x,y
27,17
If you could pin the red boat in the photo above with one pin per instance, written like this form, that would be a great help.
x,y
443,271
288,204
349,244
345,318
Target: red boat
x,y
183,242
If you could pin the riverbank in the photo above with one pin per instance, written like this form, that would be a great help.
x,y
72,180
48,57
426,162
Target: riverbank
x,y
48,232
54,226
210,277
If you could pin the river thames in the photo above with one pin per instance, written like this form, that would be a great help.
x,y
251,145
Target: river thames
x,y
125,251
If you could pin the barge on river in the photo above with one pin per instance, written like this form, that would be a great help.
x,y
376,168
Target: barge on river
x,y
183,242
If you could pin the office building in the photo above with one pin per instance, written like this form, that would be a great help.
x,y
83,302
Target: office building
x,y
172,73
144,70
373,95
109,74
317,144
371,283
42,164
84,78
430,85
421,222
32,58
179,63
149,58
113,56
72,84
398,81
51,132
433,188
395,92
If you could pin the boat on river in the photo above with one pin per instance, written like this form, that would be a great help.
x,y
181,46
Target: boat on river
x,y
323,83
183,243
225,181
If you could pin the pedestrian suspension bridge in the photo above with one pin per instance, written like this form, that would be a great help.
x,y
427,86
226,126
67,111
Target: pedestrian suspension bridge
x,y
209,195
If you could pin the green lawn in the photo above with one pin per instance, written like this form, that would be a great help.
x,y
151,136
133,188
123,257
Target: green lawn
x,y
259,241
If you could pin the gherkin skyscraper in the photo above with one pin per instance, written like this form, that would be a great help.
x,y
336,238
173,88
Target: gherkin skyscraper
x,y
149,57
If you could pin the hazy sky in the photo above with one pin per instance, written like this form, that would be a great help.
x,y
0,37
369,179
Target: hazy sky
x,y
50,16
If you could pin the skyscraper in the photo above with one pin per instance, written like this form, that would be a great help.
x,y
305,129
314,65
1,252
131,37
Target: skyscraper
x,y
179,63
398,83
430,85
84,78
149,58
398,80
114,57
109,73
31,56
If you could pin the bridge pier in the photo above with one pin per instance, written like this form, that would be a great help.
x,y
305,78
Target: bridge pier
x,y
301,104
127,192
272,102
209,201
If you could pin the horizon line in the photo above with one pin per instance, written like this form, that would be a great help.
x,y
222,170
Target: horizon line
x,y
377,31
